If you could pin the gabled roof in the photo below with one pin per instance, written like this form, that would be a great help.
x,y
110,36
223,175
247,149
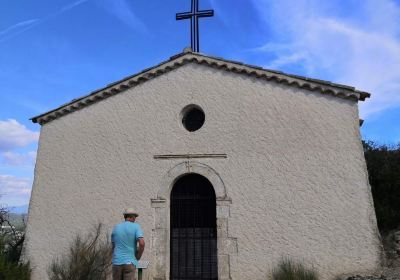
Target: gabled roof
x,y
323,87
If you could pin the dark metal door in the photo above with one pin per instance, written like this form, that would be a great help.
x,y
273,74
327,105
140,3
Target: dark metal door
x,y
193,229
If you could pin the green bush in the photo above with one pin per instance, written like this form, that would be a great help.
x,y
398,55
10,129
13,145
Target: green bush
x,y
383,164
89,258
290,270
13,270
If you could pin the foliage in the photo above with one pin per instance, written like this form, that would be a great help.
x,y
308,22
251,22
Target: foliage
x,y
383,164
290,270
89,258
13,270
11,241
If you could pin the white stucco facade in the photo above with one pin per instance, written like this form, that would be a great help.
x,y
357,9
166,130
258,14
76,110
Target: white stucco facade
x,y
292,181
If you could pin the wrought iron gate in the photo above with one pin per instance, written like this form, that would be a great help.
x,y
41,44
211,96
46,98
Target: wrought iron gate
x,y
193,229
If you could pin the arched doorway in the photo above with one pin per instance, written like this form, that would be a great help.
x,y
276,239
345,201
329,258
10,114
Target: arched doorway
x,y
193,252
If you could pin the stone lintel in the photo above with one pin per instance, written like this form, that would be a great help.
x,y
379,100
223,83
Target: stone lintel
x,y
224,201
158,202
189,156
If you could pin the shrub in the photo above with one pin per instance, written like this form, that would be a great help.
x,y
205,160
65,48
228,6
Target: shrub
x,y
383,164
13,270
289,270
89,258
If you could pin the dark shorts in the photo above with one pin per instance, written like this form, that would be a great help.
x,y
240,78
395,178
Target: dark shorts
x,y
123,272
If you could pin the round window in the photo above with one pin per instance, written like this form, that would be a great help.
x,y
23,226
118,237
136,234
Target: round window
x,y
192,117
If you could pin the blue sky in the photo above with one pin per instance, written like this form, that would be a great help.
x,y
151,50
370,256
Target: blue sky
x,y
54,51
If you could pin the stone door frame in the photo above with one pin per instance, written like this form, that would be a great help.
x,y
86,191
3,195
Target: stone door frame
x,y
226,246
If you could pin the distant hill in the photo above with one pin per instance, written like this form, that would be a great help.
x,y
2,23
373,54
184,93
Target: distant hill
x,y
22,209
16,220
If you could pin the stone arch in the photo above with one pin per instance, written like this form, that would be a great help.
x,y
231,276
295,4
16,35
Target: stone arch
x,y
187,167
227,246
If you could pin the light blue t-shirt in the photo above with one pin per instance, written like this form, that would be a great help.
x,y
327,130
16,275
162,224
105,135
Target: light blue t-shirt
x,y
124,237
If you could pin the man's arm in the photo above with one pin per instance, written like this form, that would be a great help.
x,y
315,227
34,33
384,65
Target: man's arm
x,y
140,248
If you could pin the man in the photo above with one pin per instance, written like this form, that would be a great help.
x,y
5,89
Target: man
x,y
125,237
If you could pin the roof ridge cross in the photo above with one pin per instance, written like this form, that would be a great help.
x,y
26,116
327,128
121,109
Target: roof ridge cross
x,y
194,16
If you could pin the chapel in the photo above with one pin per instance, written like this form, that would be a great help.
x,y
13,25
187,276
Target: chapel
x,y
230,166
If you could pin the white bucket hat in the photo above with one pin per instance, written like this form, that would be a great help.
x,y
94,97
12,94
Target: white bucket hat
x,y
130,211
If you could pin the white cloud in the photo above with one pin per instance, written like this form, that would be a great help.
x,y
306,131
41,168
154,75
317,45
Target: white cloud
x,y
14,190
17,29
19,159
23,26
121,9
72,5
359,48
290,58
215,4
18,26
13,135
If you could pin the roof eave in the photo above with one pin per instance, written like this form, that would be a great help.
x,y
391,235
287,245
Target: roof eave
x,y
181,59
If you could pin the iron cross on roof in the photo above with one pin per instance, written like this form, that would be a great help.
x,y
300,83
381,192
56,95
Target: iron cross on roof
x,y
194,16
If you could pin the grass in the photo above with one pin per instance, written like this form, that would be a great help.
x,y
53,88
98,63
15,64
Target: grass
x,y
289,270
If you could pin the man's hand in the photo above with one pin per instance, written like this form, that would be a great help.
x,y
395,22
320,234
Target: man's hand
x,y
140,248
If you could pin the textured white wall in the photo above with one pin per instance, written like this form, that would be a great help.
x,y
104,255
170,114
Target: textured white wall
x,y
295,170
